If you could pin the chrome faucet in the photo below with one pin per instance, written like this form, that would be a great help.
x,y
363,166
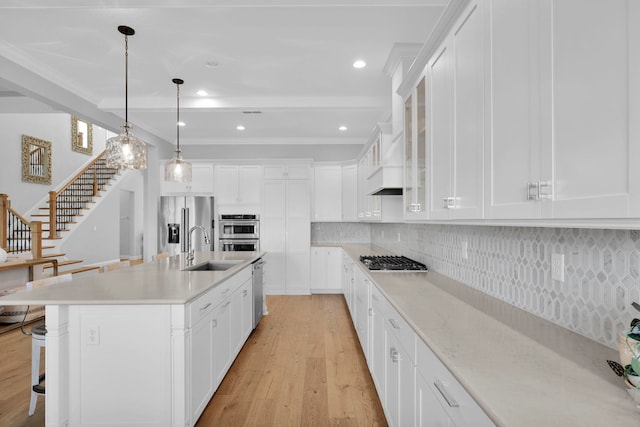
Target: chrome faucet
x,y
191,256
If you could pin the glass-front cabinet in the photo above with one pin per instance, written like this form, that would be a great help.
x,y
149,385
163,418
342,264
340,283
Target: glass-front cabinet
x,y
415,131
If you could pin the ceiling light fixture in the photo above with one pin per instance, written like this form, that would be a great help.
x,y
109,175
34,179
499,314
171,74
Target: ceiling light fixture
x,y
202,92
359,64
126,151
177,169
240,127
342,128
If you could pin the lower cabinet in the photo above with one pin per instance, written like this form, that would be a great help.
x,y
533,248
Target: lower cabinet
x,y
326,264
414,387
221,321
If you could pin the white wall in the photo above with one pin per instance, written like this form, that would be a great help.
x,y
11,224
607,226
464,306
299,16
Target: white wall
x,y
53,127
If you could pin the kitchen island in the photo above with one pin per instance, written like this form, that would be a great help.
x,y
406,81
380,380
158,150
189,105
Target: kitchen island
x,y
147,345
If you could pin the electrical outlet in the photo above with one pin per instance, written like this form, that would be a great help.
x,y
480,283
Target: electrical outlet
x,y
465,249
557,267
93,335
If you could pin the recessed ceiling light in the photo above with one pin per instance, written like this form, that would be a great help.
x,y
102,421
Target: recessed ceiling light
x,y
212,64
342,128
240,127
359,64
202,93
181,124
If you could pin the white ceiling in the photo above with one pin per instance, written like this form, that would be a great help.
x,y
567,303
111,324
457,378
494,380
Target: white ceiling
x,y
290,59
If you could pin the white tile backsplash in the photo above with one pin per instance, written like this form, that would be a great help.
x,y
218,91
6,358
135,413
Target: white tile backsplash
x,y
602,267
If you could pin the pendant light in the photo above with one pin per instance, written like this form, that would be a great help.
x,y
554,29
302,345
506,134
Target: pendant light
x,y
177,169
126,151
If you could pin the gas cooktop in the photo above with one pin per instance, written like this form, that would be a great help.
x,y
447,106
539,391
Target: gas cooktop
x,y
391,263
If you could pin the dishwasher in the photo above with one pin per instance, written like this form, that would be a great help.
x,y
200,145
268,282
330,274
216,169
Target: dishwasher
x,y
258,293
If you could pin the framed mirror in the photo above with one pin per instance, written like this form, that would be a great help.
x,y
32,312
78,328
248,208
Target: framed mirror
x,y
81,136
36,160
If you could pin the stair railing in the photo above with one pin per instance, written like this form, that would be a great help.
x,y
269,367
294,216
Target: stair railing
x,y
74,196
17,235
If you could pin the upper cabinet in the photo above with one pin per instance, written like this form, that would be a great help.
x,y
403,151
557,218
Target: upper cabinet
x,y
327,193
286,172
455,91
238,185
562,97
350,192
201,181
525,110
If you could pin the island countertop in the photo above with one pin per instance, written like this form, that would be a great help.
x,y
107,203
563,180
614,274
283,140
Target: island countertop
x,y
158,282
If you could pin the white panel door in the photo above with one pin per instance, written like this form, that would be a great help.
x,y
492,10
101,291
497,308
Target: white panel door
x,y
469,115
273,235
297,237
226,181
249,185
441,140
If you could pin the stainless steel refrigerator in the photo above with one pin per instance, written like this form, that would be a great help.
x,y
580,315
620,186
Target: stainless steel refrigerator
x,y
177,215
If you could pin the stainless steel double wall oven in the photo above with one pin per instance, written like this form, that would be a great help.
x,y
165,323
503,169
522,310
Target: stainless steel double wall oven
x,y
239,232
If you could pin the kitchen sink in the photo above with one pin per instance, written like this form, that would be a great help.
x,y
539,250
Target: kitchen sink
x,y
213,266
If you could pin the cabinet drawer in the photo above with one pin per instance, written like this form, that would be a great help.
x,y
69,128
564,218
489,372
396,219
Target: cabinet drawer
x,y
456,401
401,329
201,307
379,300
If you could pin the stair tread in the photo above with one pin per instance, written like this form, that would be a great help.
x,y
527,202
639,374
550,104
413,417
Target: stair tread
x,y
65,262
81,269
52,255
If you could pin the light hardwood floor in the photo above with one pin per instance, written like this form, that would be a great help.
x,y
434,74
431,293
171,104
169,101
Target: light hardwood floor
x,y
302,366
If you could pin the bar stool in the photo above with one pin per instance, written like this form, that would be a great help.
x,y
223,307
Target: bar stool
x,y
38,341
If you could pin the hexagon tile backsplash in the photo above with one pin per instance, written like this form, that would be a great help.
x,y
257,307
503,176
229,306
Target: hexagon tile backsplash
x,y
602,269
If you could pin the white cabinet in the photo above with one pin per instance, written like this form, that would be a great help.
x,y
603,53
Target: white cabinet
x,y
561,117
378,343
201,182
286,172
326,270
361,308
415,141
400,370
442,401
327,193
202,375
241,316
455,87
348,282
238,185
350,192
285,234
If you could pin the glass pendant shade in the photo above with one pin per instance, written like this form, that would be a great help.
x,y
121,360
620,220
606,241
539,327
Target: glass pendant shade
x,y
126,151
177,169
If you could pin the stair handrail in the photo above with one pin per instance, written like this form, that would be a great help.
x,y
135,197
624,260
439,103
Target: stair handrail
x,y
32,230
53,195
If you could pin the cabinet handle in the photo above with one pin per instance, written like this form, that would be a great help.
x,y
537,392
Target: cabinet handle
x,y
394,355
226,304
370,312
215,323
545,190
207,305
449,203
414,207
533,191
244,293
394,324
368,214
445,394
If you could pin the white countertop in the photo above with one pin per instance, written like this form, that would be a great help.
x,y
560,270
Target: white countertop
x,y
156,282
521,369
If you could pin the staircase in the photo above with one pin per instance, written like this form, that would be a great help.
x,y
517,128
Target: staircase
x,y
48,228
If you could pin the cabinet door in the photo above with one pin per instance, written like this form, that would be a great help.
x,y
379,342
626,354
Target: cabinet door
x,y
273,235
327,193
362,285
221,344
297,172
226,181
297,237
202,375
333,268
440,71
247,310
202,179
249,185
592,152
468,114
318,269
392,383
512,145
378,344
429,412
350,193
